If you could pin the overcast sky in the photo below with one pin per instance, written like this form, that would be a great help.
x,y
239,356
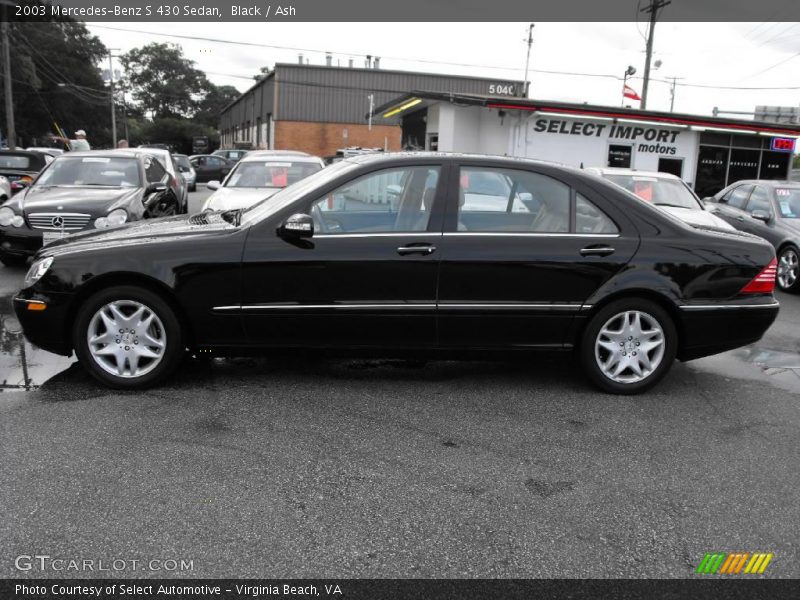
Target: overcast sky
x,y
724,54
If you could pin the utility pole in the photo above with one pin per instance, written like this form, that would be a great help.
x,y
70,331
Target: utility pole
x,y
528,61
672,94
371,106
11,133
653,10
113,108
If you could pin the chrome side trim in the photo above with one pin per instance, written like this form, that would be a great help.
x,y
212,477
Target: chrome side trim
x,y
530,234
395,306
726,306
513,306
408,234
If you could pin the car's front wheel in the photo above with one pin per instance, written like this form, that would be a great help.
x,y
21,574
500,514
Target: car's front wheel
x,y
628,346
788,278
128,337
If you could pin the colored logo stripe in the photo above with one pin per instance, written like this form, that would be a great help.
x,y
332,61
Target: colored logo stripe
x,y
724,563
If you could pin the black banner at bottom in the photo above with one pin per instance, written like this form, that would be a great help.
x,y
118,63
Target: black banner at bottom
x,y
390,589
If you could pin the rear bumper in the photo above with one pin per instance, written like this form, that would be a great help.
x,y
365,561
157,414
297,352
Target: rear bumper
x,y
49,328
711,329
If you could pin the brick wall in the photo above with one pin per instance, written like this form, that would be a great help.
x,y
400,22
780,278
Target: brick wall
x,y
323,139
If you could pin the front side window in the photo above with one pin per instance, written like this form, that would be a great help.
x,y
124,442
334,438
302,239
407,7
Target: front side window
x,y
506,200
759,200
153,170
738,196
390,200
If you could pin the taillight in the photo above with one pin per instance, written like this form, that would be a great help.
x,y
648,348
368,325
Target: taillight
x,y
764,282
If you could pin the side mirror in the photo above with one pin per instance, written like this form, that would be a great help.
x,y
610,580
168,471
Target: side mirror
x,y
213,185
154,188
393,189
761,215
297,226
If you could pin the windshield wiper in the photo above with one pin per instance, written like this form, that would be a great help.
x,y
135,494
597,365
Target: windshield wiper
x,y
233,216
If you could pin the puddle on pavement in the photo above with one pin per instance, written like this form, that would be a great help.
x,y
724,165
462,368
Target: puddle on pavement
x,y
23,366
779,368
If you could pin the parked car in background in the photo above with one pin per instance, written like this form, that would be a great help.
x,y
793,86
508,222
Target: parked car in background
x,y
619,283
260,175
156,146
769,209
5,189
54,152
20,167
200,144
186,170
666,191
209,167
83,191
176,182
232,155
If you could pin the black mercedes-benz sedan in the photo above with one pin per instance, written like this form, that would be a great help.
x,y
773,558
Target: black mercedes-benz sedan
x,y
398,254
768,209
82,191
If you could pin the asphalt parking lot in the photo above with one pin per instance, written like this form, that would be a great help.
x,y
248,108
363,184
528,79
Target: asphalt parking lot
x,y
314,467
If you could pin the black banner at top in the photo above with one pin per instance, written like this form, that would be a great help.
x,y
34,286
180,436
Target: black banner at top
x,y
407,10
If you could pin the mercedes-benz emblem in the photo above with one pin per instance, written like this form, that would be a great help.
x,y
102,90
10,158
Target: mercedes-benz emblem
x,y
57,221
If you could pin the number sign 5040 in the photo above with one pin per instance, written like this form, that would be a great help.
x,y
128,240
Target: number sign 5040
x,y
503,89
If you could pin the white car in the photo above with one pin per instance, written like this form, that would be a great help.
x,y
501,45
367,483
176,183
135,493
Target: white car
x,y
5,189
667,192
259,175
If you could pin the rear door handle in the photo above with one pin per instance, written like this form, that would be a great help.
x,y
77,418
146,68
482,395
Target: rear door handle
x,y
425,249
597,251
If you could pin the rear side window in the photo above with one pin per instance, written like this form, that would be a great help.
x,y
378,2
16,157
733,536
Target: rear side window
x,y
759,200
737,197
514,201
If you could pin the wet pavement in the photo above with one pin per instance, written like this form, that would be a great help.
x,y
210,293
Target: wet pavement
x,y
379,468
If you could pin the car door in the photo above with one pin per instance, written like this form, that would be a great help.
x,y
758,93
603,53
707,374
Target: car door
x,y
519,261
367,277
730,206
202,168
219,167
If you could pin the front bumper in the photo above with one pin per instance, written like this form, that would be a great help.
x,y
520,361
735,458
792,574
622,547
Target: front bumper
x,y
19,241
49,329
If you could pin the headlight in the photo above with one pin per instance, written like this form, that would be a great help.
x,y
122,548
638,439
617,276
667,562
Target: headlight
x,y
6,216
114,218
37,270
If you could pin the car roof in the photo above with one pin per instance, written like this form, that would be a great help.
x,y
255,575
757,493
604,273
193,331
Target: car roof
x,y
277,152
294,157
633,172
125,152
378,157
768,182
23,152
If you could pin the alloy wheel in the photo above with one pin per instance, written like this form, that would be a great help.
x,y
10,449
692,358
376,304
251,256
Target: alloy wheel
x,y
126,338
788,268
630,346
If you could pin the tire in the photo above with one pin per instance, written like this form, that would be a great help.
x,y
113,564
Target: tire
x,y
137,348
788,277
604,347
13,261
193,187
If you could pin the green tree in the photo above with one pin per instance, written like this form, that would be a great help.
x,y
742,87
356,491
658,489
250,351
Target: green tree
x,y
215,99
45,54
162,82
176,132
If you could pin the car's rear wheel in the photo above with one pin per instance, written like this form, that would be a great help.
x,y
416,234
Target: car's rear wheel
x,y
128,337
628,346
788,278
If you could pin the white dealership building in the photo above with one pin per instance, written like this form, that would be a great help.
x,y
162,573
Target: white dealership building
x,y
706,152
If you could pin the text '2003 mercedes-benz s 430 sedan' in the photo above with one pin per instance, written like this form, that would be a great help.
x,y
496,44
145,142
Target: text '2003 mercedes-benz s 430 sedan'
x,y
398,253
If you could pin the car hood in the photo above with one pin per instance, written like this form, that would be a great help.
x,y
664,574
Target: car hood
x,y
230,198
96,201
700,218
147,231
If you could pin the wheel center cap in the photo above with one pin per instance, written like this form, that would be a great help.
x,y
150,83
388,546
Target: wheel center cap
x,y
127,337
630,346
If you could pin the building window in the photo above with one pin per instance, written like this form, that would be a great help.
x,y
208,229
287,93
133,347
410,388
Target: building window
x,y
620,156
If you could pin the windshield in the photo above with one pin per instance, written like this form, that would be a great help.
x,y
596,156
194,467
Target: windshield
x,y
269,173
100,171
789,202
11,161
182,161
661,192
286,196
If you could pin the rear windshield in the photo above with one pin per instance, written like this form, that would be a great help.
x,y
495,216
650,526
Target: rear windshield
x,y
789,202
92,171
11,161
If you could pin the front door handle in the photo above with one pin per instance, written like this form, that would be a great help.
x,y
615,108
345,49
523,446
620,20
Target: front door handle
x,y
740,218
597,251
425,249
